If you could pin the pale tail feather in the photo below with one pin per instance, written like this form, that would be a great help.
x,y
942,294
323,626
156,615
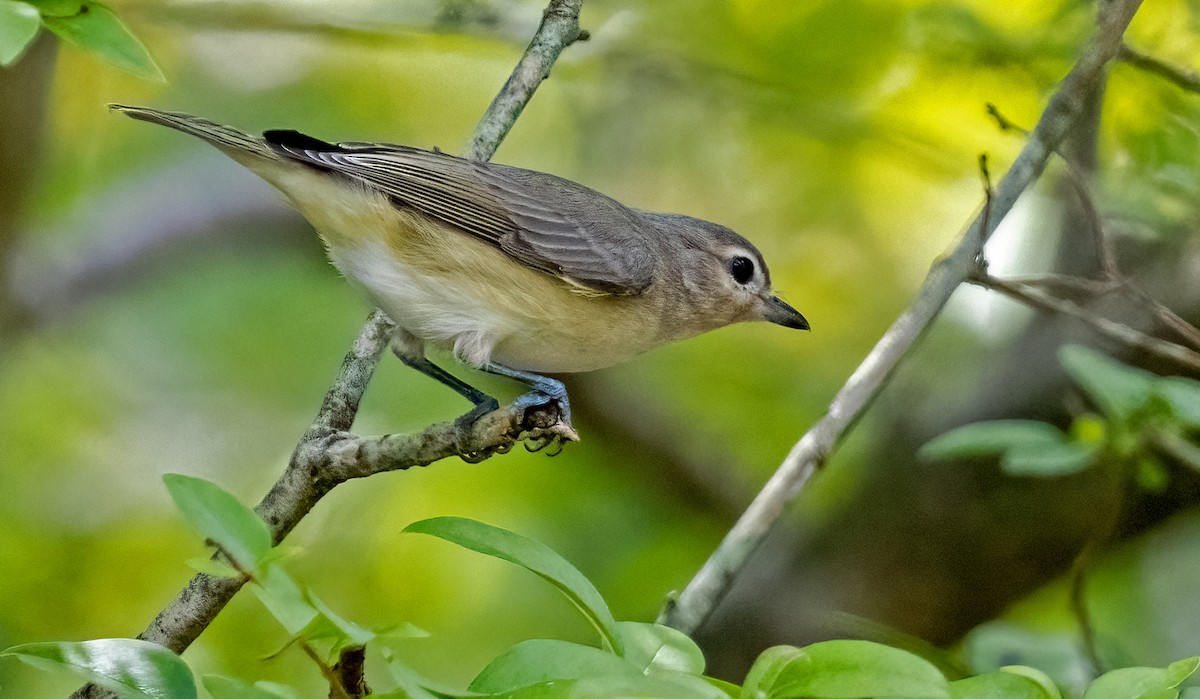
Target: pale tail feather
x,y
233,142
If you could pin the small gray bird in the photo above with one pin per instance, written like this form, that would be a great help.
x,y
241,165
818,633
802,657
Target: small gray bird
x,y
516,272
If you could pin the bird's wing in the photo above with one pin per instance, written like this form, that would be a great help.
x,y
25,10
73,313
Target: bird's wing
x,y
579,235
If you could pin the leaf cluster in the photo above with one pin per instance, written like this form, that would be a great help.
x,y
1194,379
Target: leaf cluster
x,y
91,26
1141,417
633,659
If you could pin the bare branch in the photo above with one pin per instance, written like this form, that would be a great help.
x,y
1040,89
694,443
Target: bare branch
x,y
1123,334
1186,79
712,582
1104,249
559,29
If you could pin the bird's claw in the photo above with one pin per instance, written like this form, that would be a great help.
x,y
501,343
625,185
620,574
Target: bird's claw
x,y
554,434
556,441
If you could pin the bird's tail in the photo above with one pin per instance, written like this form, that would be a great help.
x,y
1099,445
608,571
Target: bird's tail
x,y
234,143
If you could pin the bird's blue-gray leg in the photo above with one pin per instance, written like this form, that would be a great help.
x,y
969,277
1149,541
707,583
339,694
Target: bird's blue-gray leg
x,y
543,387
483,402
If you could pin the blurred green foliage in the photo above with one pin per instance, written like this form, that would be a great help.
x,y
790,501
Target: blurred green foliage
x,y
841,136
634,659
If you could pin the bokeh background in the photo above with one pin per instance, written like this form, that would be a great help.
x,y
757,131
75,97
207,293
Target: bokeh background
x,y
165,312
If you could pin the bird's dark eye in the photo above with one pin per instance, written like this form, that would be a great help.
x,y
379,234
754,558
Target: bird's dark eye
x,y
742,269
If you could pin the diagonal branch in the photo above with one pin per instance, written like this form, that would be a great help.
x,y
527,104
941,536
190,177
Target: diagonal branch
x,y
1182,78
326,454
690,608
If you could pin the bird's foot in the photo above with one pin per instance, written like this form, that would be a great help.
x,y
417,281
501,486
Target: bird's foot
x,y
548,430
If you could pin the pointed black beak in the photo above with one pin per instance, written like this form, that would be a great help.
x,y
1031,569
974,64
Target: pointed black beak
x,y
776,311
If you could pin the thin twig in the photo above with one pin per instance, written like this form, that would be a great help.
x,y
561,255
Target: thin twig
x,y
1080,568
989,192
1170,319
687,611
1113,277
1186,79
1112,330
336,690
559,29
1067,285
326,455
1004,122
1103,247
1104,250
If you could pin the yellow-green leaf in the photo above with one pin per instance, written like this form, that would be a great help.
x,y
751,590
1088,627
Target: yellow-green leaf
x,y
97,29
19,22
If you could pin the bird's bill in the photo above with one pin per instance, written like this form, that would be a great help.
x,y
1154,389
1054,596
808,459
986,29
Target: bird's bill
x,y
776,310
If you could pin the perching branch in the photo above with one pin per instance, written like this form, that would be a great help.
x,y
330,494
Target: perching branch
x,y
697,601
559,29
327,454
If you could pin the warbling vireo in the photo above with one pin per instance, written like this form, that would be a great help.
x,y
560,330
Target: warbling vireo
x,y
512,270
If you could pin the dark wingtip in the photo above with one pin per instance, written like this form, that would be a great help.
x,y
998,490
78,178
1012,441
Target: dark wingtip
x,y
288,140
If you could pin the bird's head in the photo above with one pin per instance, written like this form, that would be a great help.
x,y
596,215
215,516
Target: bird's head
x,y
723,275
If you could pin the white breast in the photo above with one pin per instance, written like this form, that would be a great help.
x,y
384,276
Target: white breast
x,y
458,293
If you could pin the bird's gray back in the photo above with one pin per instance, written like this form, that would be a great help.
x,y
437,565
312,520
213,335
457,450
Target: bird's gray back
x,y
543,221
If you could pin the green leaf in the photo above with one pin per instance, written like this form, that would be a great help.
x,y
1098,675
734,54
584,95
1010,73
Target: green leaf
x,y
991,438
219,517
639,687
1049,689
541,660
95,28
1181,670
1183,395
19,24
401,632
843,670
284,599
1000,645
767,669
1142,682
281,690
412,684
214,567
57,8
1118,390
531,555
1151,475
229,688
728,688
1089,428
999,685
328,624
658,648
130,668
1047,460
